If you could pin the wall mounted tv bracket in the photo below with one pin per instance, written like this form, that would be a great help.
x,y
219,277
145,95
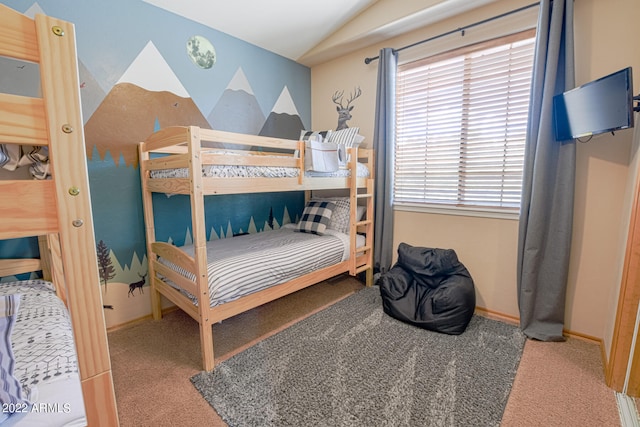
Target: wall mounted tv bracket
x,y
636,99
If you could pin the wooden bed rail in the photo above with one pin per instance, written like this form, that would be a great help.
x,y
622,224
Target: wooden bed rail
x,y
18,38
23,120
168,162
210,135
12,267
26,208
167,137
179,142
174,139
178,256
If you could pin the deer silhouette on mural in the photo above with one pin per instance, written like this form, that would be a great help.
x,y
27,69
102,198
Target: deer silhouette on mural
x,y
139,284
344,112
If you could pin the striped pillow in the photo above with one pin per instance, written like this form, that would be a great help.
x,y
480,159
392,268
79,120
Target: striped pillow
x,y
11,397
344,137
315,217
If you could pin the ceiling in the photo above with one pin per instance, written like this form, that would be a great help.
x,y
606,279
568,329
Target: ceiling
x,y
286,27
306,30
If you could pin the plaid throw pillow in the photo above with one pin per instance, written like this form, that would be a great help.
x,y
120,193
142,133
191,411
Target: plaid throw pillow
x,y
316,217
340,215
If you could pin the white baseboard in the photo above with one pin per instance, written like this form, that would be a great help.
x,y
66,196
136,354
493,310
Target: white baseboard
x,y
628,410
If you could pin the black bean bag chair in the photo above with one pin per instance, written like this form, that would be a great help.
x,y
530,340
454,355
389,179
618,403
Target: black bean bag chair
x,y
429,288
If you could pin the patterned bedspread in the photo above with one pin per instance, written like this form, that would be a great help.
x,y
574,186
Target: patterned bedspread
x,y
242,265
228,171
46,364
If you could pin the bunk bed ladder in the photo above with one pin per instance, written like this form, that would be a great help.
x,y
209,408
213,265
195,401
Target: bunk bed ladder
x,y
361,258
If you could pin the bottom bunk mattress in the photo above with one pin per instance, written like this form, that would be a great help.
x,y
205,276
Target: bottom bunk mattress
x,y
242,265
39,350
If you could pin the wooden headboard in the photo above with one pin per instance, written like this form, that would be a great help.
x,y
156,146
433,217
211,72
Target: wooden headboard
x,y
58,209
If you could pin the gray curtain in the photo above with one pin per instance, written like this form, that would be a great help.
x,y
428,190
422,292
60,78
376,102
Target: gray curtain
x,y
546,214
383,143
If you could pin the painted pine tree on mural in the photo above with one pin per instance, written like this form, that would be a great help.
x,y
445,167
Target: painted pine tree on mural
x,y
105,267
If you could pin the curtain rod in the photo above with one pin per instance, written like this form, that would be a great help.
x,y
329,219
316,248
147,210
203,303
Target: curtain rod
x,y
461,29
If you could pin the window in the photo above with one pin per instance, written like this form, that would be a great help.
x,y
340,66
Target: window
x,y
461,120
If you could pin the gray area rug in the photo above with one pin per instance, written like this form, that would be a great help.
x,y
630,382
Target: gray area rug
x,y
352,365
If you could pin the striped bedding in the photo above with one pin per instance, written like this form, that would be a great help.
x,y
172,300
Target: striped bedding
x,y
45,358
245,264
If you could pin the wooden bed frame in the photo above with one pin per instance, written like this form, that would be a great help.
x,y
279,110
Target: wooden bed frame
x,y
57,210
186,147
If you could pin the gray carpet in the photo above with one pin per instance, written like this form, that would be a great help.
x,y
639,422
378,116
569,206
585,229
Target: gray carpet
x,y
352,365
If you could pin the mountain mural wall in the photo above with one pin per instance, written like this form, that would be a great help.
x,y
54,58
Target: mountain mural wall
x,y
283,121
135,78
129,114
237,109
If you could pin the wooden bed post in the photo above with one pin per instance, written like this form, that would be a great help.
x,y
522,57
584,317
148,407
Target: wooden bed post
x,y
368,224
353,209
51,258
61,95
45,258
200,247
150,233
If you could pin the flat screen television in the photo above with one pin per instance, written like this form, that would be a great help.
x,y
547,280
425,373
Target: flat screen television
x,y
603,105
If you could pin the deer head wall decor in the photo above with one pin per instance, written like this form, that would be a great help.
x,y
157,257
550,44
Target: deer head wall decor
x,y
344,112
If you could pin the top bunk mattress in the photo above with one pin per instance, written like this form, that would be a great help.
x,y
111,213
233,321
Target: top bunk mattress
x,y
227,171
245,171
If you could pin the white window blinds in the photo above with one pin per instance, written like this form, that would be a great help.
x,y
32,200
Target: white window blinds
x,y
461,120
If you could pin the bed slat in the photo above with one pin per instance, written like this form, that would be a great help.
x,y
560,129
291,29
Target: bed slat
x,y
248,185
213,186
177,278
211,135
167,137
18,36
177,298
169,185
27,208
177,256
22,120
170,162
11,267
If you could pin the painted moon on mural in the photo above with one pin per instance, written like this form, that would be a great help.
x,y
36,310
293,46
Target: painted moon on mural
x,y
201,52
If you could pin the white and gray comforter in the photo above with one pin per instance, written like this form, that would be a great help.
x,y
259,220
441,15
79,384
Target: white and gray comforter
x,y
242,265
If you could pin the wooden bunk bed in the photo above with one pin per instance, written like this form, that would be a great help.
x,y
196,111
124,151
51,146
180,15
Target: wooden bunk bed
x,y
58,210
183,277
